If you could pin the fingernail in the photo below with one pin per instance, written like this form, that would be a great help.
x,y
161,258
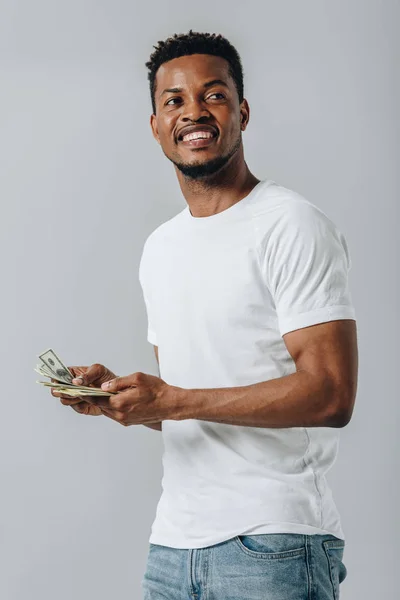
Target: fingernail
x,y
105,385
78,380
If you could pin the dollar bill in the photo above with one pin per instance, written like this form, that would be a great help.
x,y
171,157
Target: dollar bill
x,y
55,365
76,390
47,373
54,368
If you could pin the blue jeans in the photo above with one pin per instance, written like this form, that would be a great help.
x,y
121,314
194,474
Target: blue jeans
x,y
270,566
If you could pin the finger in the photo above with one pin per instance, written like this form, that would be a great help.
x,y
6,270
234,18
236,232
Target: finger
x,y
87,377
57,394
113,406
70,401
75,370
121,383
100,401
81,407
110,414
67,400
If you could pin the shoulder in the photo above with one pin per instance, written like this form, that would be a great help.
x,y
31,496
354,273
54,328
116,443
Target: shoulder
x,y
288,225
286,221
280,207
163,232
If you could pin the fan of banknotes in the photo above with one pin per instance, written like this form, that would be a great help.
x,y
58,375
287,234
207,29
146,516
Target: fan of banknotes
x,y
53,367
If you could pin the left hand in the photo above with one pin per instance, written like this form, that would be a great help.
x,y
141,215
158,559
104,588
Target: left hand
x,y
140,399
92,376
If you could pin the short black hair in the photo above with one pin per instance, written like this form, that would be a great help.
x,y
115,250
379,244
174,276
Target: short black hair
x,y
184,44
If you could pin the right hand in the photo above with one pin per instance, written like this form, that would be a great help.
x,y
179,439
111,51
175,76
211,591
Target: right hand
x,y
92,376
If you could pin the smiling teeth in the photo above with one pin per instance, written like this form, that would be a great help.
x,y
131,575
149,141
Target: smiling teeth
x,y
197,135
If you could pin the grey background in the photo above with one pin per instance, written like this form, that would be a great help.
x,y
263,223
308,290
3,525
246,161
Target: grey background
x,y
82,185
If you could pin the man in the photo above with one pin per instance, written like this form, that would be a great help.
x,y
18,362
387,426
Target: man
x,y
250,315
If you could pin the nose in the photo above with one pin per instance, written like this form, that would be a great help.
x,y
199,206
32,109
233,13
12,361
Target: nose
x,y
193,110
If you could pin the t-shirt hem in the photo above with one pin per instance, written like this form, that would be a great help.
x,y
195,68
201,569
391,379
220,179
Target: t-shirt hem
x,y
151,337
314,317
272,528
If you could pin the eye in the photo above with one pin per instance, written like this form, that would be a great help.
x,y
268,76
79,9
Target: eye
x,y
170,100
217,94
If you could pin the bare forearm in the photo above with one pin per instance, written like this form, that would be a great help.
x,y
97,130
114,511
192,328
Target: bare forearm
x,y
297,400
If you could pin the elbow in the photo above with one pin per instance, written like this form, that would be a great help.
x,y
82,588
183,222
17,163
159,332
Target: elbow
x,y
342,409
341,420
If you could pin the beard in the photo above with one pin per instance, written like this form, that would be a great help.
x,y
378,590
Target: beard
x,y
201,170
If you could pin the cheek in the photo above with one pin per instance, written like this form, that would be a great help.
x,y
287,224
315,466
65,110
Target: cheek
x,y
165,131
231,132
230,123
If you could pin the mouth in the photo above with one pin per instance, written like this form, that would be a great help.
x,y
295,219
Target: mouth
x,y
198,139
199,142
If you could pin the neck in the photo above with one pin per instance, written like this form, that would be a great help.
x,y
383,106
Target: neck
x,y
215,193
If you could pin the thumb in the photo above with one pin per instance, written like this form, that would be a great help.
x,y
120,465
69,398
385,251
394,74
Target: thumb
x,y
91,374
120,383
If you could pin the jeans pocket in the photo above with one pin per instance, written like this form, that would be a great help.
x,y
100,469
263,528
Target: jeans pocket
x,y
334,550
272,546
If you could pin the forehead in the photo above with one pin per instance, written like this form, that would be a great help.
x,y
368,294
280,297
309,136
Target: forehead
x,y
191,70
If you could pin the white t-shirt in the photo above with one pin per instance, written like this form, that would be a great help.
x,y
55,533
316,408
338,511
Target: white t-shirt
x,y
220,292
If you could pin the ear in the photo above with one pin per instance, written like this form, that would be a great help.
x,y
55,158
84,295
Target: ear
x,y
244,114
154,127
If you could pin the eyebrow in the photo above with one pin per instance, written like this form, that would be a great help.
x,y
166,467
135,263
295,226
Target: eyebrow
x,y
206,86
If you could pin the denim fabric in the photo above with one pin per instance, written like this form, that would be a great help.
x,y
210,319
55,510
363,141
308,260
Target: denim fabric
x,y
271,566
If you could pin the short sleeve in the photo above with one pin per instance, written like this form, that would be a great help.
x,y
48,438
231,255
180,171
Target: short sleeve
x,y
305,264
143,279
151,335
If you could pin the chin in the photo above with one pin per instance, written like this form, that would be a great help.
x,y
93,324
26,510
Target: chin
x,y
202,169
